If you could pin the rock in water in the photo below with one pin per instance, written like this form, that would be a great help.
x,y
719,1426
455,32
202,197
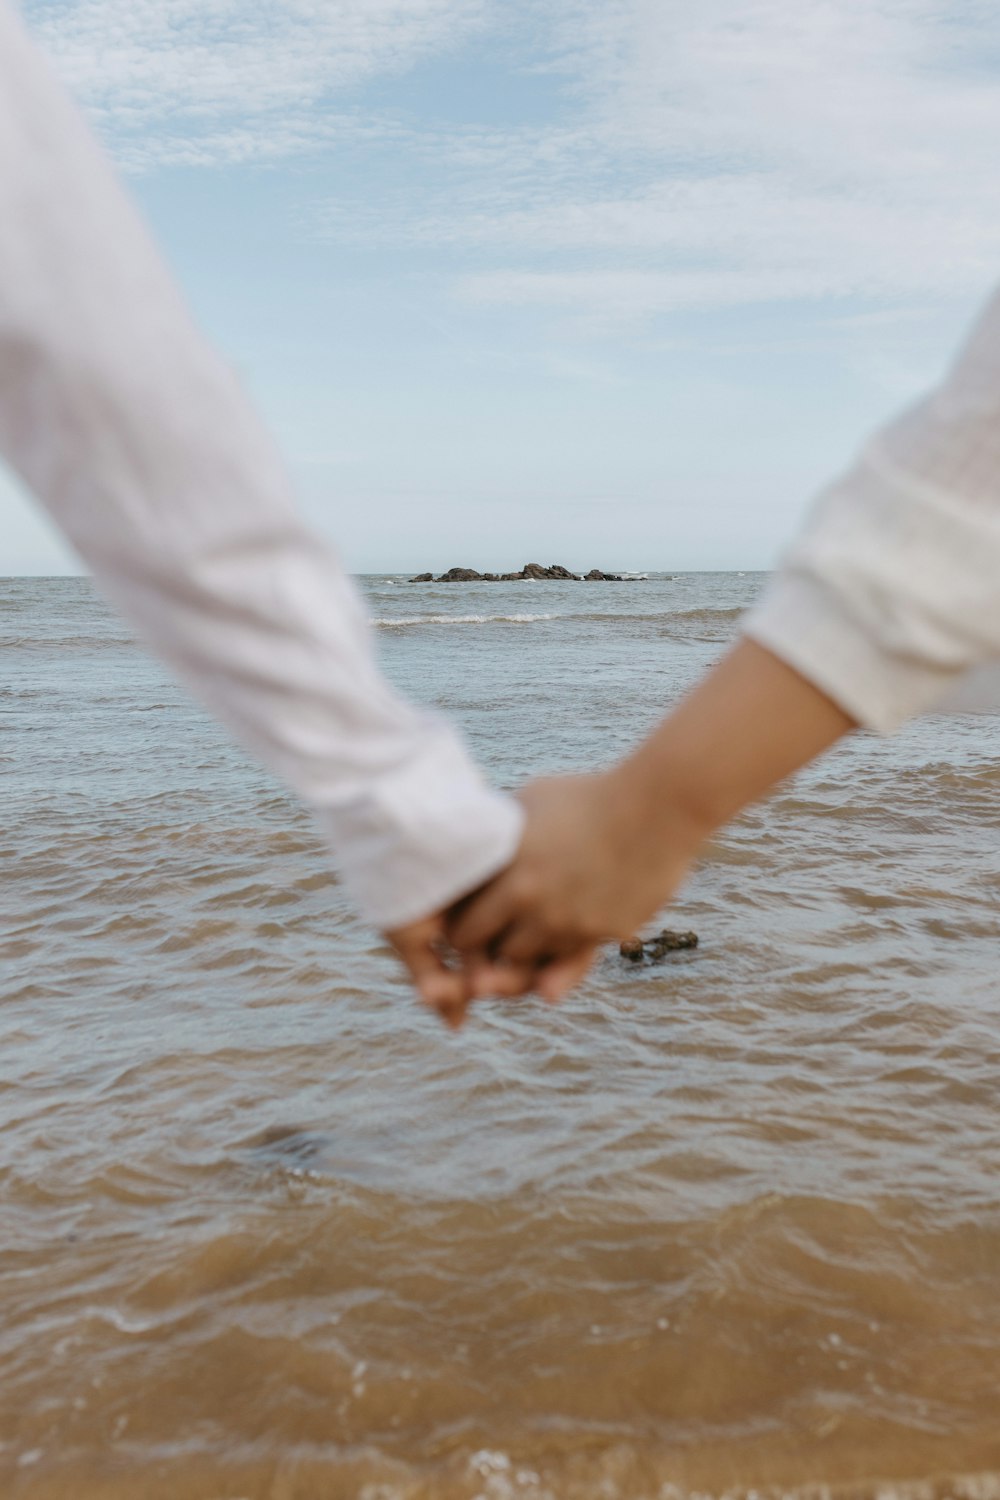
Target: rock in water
x,y
655,949
535,570
528,572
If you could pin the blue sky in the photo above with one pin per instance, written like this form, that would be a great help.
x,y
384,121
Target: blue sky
x,y
606,282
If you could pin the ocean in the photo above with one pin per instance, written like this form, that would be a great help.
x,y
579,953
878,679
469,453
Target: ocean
x,y
729,1225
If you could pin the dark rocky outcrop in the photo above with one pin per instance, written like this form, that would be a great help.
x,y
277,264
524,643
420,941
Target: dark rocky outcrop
x,y
461,575
535,570
654,950
529,571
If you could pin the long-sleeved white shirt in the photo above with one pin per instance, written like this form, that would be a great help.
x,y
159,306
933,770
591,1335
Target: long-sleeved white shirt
x,y
136,436
889,598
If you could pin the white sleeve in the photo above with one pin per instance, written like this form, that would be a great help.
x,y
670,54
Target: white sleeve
x,y
891,593
138,439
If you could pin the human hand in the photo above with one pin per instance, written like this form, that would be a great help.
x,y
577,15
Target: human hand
x,y
596,861
424,950
443,983
602,853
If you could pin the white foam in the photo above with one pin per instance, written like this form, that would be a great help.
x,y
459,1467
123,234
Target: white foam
x,y
462,619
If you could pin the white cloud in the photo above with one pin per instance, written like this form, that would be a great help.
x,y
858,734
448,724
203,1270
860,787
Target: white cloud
x,y
732,240
203,81
696,155
730,152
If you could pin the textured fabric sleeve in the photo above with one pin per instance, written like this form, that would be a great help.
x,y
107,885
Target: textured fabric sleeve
x,y
890,595
137,438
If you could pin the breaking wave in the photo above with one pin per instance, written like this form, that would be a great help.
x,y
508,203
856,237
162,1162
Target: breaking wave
x,y
661,617
395,621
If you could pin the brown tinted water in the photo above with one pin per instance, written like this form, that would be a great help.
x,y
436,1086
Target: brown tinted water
x,y
724,1225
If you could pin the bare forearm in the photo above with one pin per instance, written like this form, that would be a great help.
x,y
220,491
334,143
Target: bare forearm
x,y
746,726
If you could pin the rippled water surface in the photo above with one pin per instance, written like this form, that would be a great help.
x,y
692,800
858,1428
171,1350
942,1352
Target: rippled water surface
x,y
731,1223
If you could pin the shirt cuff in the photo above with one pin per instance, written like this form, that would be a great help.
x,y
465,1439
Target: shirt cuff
x,y
424,835
808,627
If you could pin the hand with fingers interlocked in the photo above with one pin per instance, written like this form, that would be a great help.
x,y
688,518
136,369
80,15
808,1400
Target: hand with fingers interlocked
x,y
602,853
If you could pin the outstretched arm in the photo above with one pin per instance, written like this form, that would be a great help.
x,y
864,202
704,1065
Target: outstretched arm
x,y
138,439
601,854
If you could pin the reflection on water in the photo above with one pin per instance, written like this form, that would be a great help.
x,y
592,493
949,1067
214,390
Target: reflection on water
x,y
726,1223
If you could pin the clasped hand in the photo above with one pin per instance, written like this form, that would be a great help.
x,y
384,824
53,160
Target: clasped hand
x,y
601,854
592,867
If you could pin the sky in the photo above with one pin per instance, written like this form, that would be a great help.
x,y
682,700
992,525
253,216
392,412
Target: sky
x,y
612,283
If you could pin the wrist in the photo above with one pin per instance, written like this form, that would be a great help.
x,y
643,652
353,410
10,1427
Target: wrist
x,y
656,799
747,725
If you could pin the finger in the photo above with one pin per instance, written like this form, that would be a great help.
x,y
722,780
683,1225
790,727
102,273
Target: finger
x,y
480,918
451,1003
438,985
530,941
557,979
455,1015
489,980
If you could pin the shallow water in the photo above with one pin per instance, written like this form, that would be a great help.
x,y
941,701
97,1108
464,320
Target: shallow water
x,y
731,1223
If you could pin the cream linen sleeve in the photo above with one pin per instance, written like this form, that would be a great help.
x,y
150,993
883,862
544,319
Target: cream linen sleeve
x,y
889,599
137,438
